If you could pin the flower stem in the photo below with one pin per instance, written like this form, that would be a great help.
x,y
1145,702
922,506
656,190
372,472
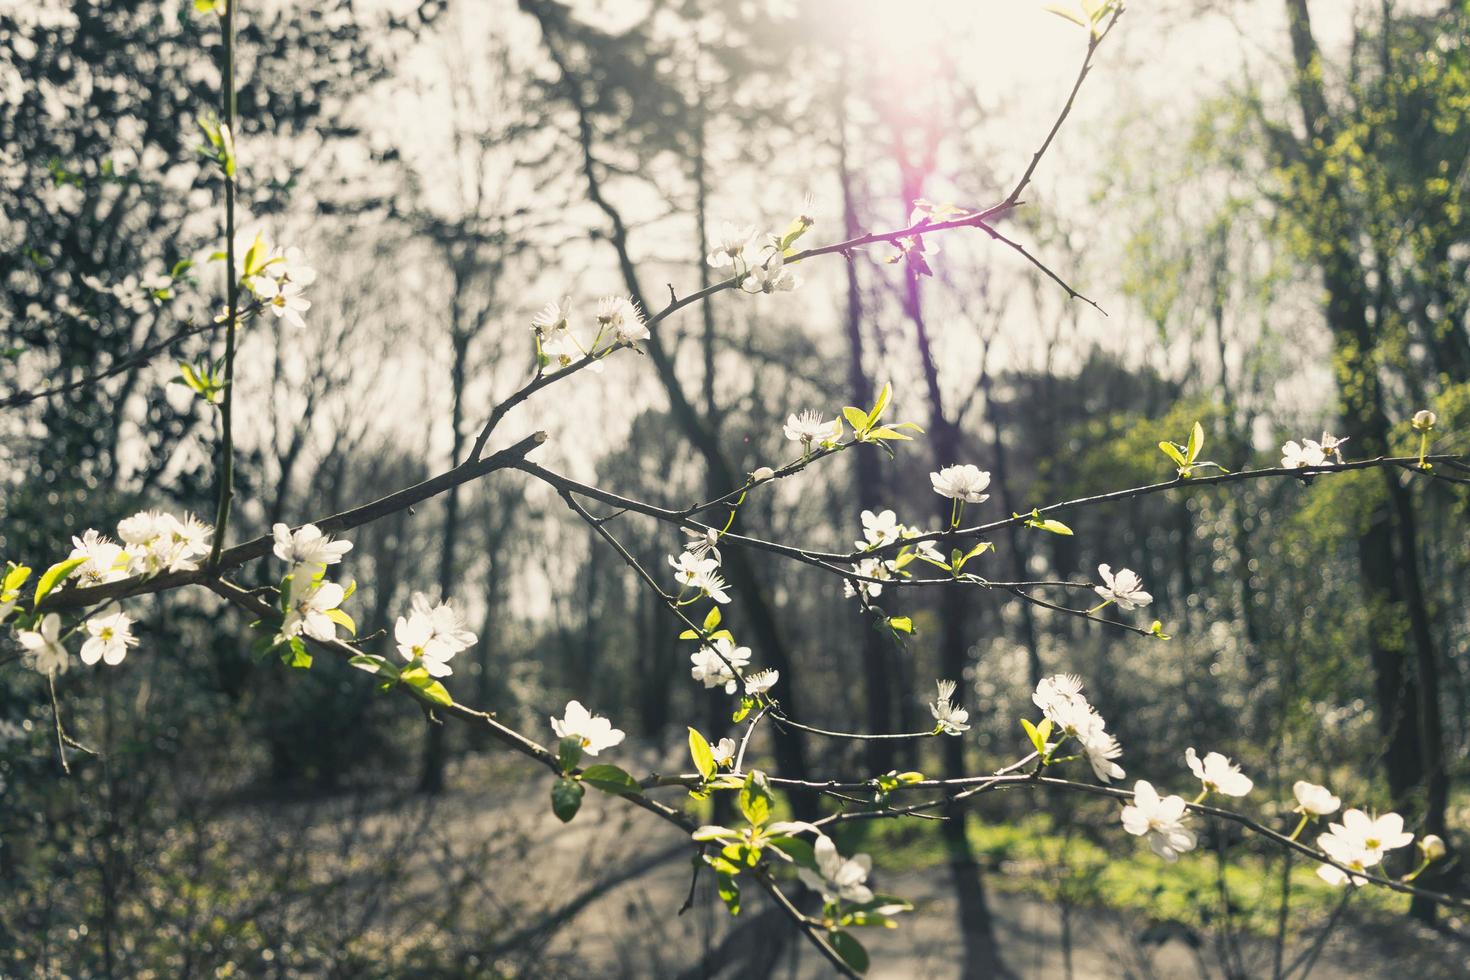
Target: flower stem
x,y
226,469
1301,826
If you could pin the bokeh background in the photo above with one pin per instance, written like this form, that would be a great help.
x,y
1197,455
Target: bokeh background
x,y
1267,198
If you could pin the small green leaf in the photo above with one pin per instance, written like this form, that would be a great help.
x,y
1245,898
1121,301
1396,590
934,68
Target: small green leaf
x,y
857,418
610,779
1196,442
880,404
1038,741
53,576
343,620
850,950
1055,527
712,618
1157,629
1172,451
703,755
566,798
569,753
755,800
296,656
729,890
799,851
901,624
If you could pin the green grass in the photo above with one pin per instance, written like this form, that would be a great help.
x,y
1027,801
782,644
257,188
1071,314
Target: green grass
x,y
1040,859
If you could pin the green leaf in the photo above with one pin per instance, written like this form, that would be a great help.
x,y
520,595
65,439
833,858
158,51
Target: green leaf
x,y
566,798
755,800
901,624
880,404
689,635
850,950
888,432
569,753
53,576
1196,442
1055,527
729,890
1157,629
1063,12
436,692
1038,741
798,850
1172,451
15,577
862,919
343,620
610,779
296,656
712,618
703,755
746,703
857,418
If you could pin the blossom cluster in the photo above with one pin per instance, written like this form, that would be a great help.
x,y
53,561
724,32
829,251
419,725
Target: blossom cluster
x,y
277,277
1312,452
758,261
619,323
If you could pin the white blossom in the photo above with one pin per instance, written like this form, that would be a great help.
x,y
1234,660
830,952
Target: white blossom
x,y
111,633
1056,690
105,559
1101,749
1160,820
880,529
44,651
291,266
1424,420
1218,774
712,671
838,878
1125,588
694,572
952,720
1312,453
1370,837
729,244
595,732
618,315
308,607
810,428
282,298
724,752
702,544
161,542
761,682
307,545
868,568
1315,800
770,277
432,634
967,483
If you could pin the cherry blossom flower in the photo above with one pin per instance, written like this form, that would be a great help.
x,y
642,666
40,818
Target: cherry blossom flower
x,y
1056,690
1432,846
762,681
880,529
432,634
810,428
282,298
729,245
702,544
1373,836
868,568
595,732
291,266
1311,453
1424,420
724,752
712,671
307,545
772,276
1218,774
44,651
838,878
694,572
157,541
105,559
618,315
111,633
309,605
1125,588
951,719
552,318
967,483
1314,800
1160,820
1101,749
1360,842
763,473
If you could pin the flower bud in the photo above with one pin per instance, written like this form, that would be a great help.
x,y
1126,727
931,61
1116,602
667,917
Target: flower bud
x,y
1432,847
763,474
1424,420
